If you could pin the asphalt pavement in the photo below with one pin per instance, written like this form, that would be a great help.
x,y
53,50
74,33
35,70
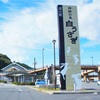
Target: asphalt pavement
x,y
13,92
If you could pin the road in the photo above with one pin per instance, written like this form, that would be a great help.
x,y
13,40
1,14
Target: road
x,y
13,92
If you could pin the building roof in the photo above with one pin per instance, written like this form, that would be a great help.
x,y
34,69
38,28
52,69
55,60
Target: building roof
x,y
14,66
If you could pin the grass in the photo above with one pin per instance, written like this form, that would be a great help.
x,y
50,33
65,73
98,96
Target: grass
x,y
46,88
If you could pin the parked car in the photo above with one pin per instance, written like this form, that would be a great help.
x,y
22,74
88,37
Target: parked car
x,y
40,82
98,82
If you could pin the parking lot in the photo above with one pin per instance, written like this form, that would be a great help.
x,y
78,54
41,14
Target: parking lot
x,y
90,86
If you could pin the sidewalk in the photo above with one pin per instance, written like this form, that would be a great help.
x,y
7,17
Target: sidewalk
x,y
73,92
82,91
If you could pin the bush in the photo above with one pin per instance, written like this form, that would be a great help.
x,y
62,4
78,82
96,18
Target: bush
x,y
31,83
3,81
17,83
24,83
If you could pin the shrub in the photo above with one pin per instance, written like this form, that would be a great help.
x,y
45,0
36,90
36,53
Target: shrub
x,y
24,83
3,81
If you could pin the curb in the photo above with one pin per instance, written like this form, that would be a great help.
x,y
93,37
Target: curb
x,y
68,92
76,92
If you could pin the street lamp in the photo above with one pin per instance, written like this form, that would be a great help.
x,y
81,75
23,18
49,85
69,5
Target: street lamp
x,y
92,60
43,57
54,74
92,66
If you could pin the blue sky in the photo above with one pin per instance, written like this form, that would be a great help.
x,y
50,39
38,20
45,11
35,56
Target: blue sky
x,y
28,26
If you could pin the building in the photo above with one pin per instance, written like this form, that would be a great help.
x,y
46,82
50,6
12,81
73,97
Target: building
x,y
15,73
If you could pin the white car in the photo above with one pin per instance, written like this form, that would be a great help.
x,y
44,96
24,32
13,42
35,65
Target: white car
x,y
98,82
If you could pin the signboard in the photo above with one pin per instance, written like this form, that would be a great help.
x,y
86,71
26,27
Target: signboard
x,y
69,49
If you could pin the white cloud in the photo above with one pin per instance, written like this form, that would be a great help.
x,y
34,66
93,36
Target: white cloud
x,y
89,18
30,28
36,26
4,1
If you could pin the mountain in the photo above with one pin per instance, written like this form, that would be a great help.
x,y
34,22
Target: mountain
x,y
5,60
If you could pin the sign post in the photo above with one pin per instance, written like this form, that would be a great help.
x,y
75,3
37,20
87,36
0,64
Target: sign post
x,y
69,48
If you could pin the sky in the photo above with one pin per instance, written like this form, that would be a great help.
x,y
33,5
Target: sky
x,y
28,26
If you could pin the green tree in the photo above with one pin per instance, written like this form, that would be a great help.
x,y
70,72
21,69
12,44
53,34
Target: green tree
x,y
4,60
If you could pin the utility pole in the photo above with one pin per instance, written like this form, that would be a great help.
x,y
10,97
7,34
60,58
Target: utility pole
x,y
34,64
34,69
43,57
